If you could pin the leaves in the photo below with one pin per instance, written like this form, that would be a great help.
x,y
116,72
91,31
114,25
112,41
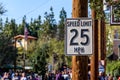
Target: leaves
x,y
97,6
2,10
112,67
61,24
50,40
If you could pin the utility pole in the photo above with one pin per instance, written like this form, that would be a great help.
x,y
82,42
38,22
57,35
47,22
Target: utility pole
x,y
94,57
79,63
102,38
103,35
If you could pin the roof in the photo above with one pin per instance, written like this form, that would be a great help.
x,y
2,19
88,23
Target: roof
x,y
22,36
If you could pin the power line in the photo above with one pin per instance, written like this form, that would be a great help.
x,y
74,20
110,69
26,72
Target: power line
x,y
43,4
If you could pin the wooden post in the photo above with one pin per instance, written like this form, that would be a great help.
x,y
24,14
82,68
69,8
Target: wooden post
x,y
102,34
94,57
79,63
103,38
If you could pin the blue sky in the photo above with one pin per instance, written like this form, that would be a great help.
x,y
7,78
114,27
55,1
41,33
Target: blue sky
x,y
16,9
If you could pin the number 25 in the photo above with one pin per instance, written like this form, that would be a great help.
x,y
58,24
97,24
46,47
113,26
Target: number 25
x,y
83,35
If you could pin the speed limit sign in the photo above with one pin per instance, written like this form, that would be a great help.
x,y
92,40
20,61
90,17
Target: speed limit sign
x,y
78,36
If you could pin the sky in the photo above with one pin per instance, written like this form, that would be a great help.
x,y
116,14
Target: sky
x,y
16,9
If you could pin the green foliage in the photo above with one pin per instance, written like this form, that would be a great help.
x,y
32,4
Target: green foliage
x,y
51,51
20,29
113,68
49,46
57,49
109,39
97,5
49,26
1,24
116,11
61,24
2,10
35,27
7,52
39,56
7,32
41,59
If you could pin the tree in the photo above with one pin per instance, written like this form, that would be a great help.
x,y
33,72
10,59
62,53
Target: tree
x,y
40,56
6,37
2,10
49,25
61,24
54,52
35,27
20,29
113,68
10,28
57,53
7,50
109,40
1,24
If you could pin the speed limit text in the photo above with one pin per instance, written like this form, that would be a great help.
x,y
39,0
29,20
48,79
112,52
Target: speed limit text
x,y
77,23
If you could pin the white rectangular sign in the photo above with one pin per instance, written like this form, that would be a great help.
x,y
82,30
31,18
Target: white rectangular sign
x,y
78,36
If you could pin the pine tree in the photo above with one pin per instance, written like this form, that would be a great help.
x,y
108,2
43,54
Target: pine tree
x,y
61,24
2,10
35,27
49,25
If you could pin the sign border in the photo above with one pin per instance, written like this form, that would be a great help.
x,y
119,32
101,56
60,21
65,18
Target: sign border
x,y
65,37
112,22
